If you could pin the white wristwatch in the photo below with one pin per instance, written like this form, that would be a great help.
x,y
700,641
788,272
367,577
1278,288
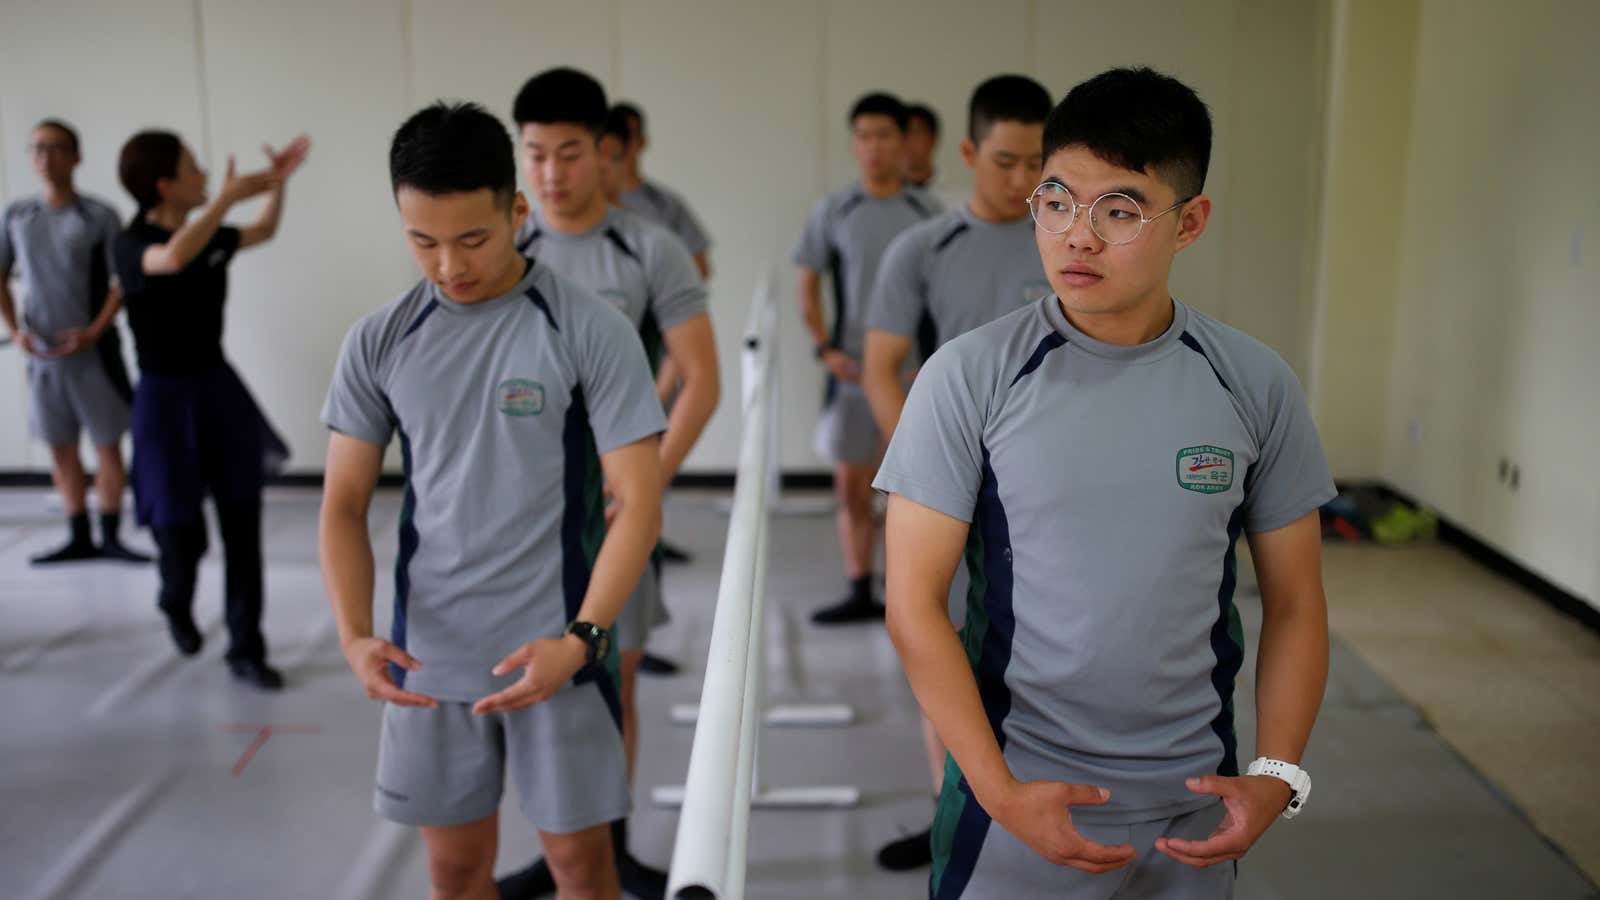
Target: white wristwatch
x,y
1290,774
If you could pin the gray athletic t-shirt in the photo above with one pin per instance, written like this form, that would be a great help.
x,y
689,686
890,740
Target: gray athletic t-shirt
x,y
502,408
64,258
665,207
1106,487
845,237
636,265
952,273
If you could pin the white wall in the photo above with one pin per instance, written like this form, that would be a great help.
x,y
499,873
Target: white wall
x,y
1494,352
746,105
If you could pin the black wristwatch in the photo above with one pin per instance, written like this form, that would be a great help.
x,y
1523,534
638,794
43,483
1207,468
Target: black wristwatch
x,y
597,640
820,350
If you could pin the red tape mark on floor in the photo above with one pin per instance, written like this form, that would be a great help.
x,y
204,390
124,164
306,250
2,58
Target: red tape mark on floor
x,y
262,733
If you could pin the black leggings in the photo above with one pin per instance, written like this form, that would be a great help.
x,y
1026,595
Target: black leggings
x,y
181,549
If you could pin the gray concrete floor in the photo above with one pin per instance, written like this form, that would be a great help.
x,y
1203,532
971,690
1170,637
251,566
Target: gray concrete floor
x,y
130,773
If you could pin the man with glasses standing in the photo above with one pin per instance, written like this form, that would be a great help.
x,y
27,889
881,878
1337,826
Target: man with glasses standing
x,y
947,276
1096,456
61,240
845,237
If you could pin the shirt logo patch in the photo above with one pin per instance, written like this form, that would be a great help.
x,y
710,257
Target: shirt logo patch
x,y
617,298
521,397
1205,469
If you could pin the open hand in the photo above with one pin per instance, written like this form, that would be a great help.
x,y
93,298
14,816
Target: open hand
x,y
236,187
369,659
1039,814
72,341
843,366
286,161
32,346
1253,801
548,664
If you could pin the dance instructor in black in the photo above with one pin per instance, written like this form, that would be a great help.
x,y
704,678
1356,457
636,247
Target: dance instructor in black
x,y
196,429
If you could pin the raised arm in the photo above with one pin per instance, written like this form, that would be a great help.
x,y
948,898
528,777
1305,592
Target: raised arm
x,y
284,163
187,242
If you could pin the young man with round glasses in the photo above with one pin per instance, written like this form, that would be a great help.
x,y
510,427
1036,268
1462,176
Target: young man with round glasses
x,y
947,276
1097,456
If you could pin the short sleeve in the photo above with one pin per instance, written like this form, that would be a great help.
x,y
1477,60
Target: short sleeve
x,y
899,296
127,258
935,458
8,254
676,291
357,405
1290,478
226,240
106,237
615,376
814,251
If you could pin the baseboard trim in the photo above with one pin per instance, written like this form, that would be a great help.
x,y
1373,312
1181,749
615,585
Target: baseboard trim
x,y
1498,562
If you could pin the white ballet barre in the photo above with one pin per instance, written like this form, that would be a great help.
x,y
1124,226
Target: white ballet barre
x,y
723,782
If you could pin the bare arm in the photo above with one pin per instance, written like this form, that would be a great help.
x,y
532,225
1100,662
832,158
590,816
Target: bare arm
x,y
345,549
810,291
668,378
841,364
8,307
923,547
880,377
1292,663
702,261
633,475
75,340
266,224
187,242
1291,675
284,164
693,348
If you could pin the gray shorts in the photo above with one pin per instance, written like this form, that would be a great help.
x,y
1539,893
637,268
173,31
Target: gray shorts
x,y
645,611
446,766
70,396
983,861
847,433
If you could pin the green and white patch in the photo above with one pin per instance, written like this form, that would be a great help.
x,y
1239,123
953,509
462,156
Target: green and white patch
x,y
521,397
1205,469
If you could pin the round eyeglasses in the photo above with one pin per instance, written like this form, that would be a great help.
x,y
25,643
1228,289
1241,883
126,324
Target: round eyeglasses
x,y
1115,218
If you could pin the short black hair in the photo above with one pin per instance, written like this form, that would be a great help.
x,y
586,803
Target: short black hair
x,y
453,148
880,104
64,128
632,115
1140,120
146,158
562,95
1006,98
924,113
618,124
